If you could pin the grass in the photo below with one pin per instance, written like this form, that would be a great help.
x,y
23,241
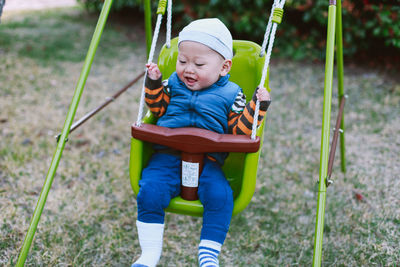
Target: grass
x,y
89,217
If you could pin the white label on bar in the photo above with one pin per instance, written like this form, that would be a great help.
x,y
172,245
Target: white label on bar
x,y
190,174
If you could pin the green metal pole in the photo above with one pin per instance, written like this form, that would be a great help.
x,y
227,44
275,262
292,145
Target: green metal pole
x,y
326,115
147,25
339,62
64,135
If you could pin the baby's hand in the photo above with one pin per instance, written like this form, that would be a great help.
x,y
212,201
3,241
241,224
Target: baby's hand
x,y
153,72
263,95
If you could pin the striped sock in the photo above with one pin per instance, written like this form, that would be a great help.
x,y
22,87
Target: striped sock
x,y
208,253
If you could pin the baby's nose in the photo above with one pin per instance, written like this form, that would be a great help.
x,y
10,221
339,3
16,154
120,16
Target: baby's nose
x,y
189,69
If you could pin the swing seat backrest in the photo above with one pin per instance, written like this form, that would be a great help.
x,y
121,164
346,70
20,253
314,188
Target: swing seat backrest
x,y
240,168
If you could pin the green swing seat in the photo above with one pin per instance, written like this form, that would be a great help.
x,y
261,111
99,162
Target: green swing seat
x,y
240,168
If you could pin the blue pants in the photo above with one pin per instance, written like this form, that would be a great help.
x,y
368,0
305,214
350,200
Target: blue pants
x,y
161,182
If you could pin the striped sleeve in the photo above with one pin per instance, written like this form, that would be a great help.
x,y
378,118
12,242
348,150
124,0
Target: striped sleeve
x,y
157,96
240,102
242,123
237,109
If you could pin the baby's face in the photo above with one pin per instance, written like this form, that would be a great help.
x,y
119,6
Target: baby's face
x,y
198,66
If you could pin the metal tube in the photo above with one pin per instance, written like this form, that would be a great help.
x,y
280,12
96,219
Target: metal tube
x,y
147,25
319,226
67,125
335,138
93,112
339,65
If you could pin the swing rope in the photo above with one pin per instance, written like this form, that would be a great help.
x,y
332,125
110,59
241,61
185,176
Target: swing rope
x,y
274,19
169,24
160,12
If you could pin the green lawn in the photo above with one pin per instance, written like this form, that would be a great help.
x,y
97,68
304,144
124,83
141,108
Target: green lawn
x,y
89,218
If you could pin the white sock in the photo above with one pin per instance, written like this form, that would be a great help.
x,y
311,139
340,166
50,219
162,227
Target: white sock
x,y
150,239
208,253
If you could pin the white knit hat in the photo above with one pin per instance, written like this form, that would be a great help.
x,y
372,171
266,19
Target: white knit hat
x,y
210,32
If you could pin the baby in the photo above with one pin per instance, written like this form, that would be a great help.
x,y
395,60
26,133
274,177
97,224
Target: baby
x,y
199,94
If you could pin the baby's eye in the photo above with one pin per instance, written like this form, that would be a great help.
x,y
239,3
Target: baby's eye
x,y
182,61
199,64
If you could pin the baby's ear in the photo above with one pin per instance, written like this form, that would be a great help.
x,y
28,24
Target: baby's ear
x,y
226,67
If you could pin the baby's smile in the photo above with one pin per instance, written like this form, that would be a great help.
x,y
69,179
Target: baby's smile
x,y
190,81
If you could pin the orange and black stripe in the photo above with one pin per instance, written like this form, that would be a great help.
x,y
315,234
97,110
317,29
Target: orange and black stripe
x,y
157,99
243,123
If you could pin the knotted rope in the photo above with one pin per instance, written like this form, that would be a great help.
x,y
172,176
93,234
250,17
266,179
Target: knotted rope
x,y
169,23
160,12
269,37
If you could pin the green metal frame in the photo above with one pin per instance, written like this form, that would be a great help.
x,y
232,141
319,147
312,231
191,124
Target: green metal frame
x,y
334,27
64,135
334,20
340,75
147,25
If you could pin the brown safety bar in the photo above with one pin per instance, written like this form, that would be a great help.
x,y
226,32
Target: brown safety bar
x,y
193,144
194,140
334,140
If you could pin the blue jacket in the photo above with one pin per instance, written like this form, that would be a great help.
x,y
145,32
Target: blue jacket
x,y
207,108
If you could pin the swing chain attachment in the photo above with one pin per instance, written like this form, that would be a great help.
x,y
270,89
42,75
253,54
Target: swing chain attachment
x,y
162,4
277,15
